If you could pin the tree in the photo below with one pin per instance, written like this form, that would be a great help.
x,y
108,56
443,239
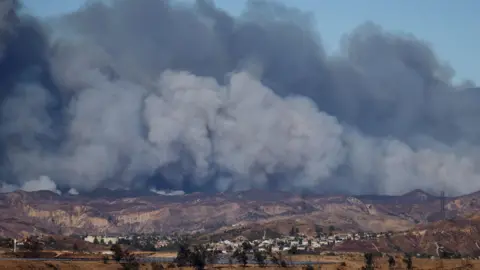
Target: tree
x,y
109,242
293,250
241,256
318,230
331,228
149,246
259,257
75,247
247,246
95,241
407,259
391,262
130,261
33,245
198,257
117,252
292,231
183,254
368,261
102,241
212,257
51,241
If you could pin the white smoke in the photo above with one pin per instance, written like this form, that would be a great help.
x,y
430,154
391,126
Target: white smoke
x,y
73,191
168,193
42,183
255,133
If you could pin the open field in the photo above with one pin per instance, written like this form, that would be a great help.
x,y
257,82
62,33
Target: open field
x,y
340,262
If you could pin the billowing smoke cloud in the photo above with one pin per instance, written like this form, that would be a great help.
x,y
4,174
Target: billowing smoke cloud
x,y
42,183
73,191
187,97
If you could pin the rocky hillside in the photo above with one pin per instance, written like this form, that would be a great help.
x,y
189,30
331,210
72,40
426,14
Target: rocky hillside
x,y
449,237
105,211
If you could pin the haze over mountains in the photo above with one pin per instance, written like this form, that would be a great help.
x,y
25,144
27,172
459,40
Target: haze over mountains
x,y
166,95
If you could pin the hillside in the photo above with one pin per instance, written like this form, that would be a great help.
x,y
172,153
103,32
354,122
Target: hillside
x,y
128,212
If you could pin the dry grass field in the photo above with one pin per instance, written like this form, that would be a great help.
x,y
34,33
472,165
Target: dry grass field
x,y
422,264
339,262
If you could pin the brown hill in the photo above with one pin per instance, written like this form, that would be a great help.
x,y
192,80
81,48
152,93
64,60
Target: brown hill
x,y
457,236
129,212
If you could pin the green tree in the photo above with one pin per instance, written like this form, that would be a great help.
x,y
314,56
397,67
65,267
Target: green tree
x,y
407,259
183,254
259,257
292,231
33,245
212,257
130,261
391,262
247,246
318,230
75,247
368,257
198,257
102,241
241,256
117,252
95,241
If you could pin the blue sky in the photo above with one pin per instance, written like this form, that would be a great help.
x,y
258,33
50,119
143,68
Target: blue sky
x,y
451,27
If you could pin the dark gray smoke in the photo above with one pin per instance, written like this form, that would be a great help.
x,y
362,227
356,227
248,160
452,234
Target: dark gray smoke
x,y
159,94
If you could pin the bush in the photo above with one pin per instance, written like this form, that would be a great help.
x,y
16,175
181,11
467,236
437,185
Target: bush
x,y
259,258
241,257
308,267
156,266
131,262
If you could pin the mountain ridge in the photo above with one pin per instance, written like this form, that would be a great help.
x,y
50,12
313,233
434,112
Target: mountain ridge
x,y
144,212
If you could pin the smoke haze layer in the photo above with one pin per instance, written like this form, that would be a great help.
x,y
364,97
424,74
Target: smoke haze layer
x,y
166,95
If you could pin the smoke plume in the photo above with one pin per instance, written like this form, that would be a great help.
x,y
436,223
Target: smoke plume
x,y
166,95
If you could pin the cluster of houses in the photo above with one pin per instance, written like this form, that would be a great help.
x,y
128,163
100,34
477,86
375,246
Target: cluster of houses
x,y
299,242
154,241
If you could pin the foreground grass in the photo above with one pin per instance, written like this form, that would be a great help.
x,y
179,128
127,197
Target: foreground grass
x,y
340,262
419,264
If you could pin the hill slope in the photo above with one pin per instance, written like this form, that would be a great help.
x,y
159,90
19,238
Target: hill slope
x,y
148,212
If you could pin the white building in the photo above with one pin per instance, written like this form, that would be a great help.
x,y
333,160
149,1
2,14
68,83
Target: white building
x,y
106,239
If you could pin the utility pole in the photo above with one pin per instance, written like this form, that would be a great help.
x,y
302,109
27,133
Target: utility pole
x,y
14,245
